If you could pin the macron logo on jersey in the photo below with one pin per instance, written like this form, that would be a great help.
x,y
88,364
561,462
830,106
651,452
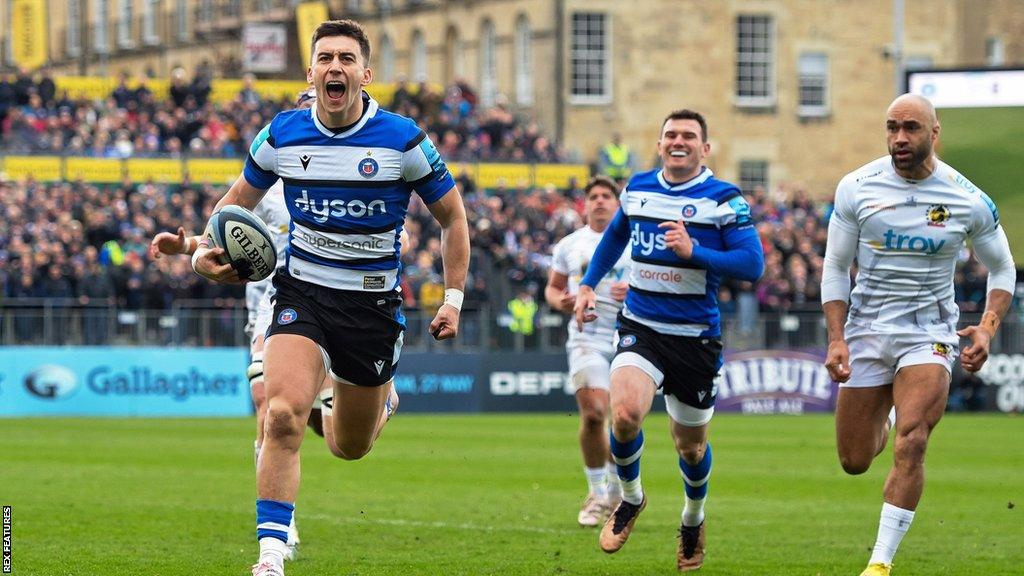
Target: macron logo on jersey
x,y
905,242
324,209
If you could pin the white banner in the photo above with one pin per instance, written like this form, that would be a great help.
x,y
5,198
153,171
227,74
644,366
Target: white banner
x,y
264,47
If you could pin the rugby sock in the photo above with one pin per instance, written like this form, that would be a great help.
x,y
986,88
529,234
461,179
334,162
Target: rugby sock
x,y
627,463
597,481
272,521
614,487
892,526
695,484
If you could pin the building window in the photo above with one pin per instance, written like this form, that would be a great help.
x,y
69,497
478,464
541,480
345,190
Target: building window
x,y
205,14
591,65
419,57
813,84
181,20
488,66
73,36
124,25
755,61
99,23
524,62
387,59
995,52
149,15
455,65
753,173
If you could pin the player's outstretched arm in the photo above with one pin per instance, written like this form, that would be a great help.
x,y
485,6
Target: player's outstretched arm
x,y
585,308
556,293
450,213
170,244
992,250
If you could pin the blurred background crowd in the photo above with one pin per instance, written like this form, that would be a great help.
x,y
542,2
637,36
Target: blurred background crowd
x,y
82,244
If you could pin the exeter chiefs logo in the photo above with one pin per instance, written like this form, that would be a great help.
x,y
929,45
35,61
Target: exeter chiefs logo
x,y
368,167
937,215
940,349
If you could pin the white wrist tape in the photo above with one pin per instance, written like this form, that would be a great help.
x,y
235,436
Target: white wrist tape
x,y
453,297
195,255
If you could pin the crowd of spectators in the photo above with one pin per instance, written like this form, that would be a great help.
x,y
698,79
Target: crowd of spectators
x,y
87,243
466,131
133,122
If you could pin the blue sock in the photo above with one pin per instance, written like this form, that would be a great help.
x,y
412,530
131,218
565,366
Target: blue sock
x,y
273,518
627,464
695,484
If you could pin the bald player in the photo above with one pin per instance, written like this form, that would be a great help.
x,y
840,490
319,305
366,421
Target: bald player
x,y
892,341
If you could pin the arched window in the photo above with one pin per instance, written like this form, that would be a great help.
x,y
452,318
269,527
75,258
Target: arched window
x,y
455,67
418,71
524,62
387,59
488,65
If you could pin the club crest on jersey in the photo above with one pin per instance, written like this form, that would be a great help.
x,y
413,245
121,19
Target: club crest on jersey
x,y
627,341
287,316
689,211
368,167
940,349
938,214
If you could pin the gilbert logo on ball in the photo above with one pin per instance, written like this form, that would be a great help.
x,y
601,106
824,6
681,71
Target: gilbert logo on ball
x,y
247,242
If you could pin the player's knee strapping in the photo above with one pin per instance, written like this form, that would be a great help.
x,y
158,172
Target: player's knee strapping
x,y
255,370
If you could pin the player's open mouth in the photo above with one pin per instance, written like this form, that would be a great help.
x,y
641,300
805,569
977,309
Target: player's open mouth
x,y
679,153
335,89
901,154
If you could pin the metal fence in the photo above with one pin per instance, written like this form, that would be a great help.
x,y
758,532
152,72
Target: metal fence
x,y
58,322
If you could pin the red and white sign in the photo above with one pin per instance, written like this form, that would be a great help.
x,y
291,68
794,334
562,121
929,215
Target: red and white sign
x,y
264,47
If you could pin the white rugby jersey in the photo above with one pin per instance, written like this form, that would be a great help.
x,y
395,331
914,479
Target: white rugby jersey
x,y
274,213
347,192
571,256
906,236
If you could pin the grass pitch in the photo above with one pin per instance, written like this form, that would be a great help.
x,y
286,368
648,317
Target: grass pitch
x,y
494,494
984,144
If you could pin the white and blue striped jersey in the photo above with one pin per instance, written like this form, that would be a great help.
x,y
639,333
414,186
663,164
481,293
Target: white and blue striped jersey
x,y
666,293
347,192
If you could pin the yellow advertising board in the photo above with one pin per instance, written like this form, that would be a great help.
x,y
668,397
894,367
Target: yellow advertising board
x,y
40,168
28,33
308,16
503,175
99,170
213,171
459,168
561,175
163,170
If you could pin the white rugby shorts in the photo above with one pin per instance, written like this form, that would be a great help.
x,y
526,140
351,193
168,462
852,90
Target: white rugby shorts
x,y
875,358
590,367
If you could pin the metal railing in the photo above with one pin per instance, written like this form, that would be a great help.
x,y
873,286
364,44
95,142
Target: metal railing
x,y
67,322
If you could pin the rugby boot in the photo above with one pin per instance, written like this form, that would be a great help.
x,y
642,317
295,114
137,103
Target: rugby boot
x,y
616,530
690,555
594,511
877,569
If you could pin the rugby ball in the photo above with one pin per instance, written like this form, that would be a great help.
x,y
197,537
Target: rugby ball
x,y
246,240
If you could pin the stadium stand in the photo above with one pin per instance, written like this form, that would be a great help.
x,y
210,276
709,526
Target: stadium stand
x,y
83,245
